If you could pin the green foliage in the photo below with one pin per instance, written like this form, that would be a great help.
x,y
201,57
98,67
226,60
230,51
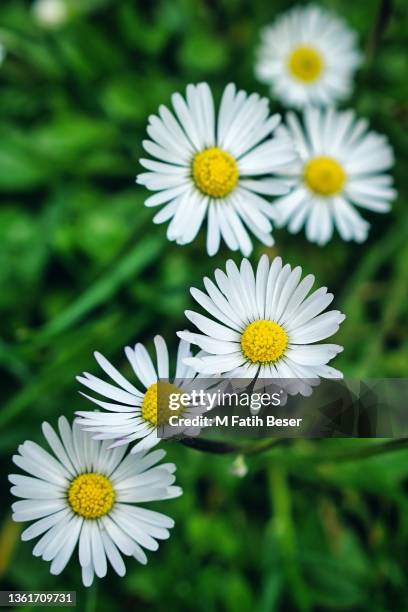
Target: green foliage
x,y
83,268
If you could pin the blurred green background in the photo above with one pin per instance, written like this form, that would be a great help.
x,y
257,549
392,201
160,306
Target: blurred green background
x,y
82,268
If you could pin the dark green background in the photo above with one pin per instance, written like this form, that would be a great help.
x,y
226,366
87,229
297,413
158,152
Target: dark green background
x,y
83,268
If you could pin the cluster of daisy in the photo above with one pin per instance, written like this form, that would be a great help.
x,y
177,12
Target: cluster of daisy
x,y
223,165
265,322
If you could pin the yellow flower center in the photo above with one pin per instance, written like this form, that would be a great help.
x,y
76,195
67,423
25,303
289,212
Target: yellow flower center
x,y
305,64
91,495
264,341
215,172
155,405
324,176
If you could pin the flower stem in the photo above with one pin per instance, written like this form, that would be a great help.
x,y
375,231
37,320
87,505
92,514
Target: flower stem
x,y
224,448
91,597
260,446
381,20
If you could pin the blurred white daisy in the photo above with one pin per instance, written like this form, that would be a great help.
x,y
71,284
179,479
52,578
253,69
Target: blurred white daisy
x,y
265,324
217,166
83,494
308,56
341,165
50,13
137,415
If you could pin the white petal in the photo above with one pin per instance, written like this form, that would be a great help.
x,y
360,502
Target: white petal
x,y
211,328
87,575
116,376
113,554
61,559
98,551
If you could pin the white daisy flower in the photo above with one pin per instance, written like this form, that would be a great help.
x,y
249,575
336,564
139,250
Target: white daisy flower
x,y
265,324
308,56
83,495
135,414
50,13
342,165
215,166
